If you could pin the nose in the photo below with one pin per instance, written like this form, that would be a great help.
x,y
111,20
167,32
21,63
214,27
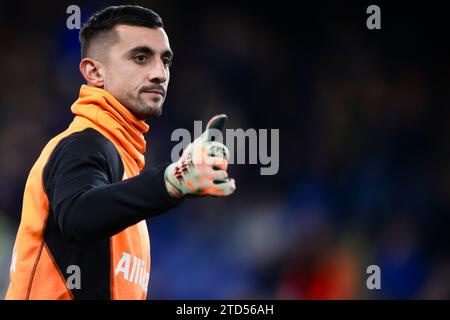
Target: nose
x,y
158,72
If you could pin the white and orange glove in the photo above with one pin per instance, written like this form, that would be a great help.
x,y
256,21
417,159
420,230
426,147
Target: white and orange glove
x,y
202,168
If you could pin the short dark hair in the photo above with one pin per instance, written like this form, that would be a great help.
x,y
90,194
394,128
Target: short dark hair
x,y
103,21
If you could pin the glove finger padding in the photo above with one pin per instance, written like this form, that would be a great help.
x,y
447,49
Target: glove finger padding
x,y
219,176
202,150
217,149
217,163
209,182
221,189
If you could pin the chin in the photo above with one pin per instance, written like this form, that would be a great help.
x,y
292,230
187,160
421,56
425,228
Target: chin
x,y
150,112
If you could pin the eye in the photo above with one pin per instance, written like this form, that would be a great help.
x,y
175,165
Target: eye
x,y
140,58
167,62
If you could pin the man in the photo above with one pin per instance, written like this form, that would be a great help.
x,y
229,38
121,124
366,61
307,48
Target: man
x,y
83,233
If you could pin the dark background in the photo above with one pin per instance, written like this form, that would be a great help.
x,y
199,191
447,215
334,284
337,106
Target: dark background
x,y
363,116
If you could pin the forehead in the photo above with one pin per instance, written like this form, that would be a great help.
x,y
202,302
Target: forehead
x,y
133,36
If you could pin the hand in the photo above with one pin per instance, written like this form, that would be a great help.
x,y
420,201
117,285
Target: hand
x,y
202,168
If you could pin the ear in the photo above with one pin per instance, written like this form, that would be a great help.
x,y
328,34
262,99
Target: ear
x,y
92,71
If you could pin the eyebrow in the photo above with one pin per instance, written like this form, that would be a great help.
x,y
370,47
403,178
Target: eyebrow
x,y
149,51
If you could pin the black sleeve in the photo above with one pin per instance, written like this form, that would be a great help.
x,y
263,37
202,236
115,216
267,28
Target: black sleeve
x,y
88,199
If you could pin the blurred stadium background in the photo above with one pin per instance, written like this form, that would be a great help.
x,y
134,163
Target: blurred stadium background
x,y
364,164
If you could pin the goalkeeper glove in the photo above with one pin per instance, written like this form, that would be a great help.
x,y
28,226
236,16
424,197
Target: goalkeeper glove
x,y
202,168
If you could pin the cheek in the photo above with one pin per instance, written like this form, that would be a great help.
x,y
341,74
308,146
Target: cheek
x,y
111,76
120,77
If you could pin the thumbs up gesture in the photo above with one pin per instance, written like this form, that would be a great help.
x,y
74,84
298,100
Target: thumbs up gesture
x,y
202,168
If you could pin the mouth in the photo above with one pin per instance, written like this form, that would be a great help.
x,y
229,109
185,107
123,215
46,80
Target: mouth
x,y
154,92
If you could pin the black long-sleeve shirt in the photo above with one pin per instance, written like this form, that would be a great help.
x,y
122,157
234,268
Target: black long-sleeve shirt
x,y
88,199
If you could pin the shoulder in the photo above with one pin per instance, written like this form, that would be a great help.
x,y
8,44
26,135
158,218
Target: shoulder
x,y
88,141
84,148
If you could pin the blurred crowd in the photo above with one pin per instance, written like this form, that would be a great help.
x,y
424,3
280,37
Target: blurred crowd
x,y
364,173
